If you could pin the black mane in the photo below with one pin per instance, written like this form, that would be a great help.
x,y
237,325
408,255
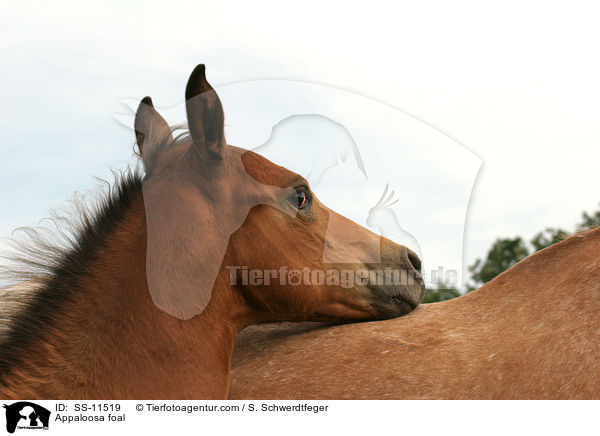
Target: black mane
x,y
57,265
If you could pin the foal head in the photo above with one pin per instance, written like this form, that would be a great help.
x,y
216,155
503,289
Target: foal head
x,y
223,219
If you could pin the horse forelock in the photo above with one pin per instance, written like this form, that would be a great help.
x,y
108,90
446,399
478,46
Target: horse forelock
x,y
151,155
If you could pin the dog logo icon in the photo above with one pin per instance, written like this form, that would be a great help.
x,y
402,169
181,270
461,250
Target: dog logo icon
x,y
26,415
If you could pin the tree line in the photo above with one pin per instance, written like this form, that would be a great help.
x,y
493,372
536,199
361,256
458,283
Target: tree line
x,y
506,252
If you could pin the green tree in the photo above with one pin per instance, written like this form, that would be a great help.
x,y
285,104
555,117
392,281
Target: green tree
x,y
503,255
589,220
441,292
507,252
548,237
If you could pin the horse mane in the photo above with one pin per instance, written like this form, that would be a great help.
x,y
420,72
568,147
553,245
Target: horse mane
x,y
41,269
47,262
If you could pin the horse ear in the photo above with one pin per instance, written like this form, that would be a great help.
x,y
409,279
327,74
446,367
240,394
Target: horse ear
x,y
205,116
150,128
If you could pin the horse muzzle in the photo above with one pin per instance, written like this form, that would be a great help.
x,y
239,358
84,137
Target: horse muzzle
x,y
401,287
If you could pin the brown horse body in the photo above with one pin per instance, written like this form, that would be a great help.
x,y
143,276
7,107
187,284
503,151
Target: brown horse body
x,y
531,333
130,310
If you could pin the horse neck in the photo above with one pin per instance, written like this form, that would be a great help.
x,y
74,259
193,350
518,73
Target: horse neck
x,y
111,341
549,284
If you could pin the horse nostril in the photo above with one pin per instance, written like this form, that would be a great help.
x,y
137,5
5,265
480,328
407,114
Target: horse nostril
x,y
414,260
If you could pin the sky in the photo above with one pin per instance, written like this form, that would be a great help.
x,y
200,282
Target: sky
x,y
499,98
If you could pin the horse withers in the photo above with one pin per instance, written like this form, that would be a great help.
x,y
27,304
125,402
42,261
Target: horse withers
x,y
148,297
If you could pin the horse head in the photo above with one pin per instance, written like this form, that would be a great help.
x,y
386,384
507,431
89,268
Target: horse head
x,y
224,219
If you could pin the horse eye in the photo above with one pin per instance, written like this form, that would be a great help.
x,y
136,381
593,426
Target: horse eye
x,y
300,199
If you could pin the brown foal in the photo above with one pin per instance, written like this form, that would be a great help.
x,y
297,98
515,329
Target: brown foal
x,y
147,300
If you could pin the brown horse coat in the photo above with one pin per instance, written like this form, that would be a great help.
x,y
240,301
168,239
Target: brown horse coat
x,y
531,333
142,301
